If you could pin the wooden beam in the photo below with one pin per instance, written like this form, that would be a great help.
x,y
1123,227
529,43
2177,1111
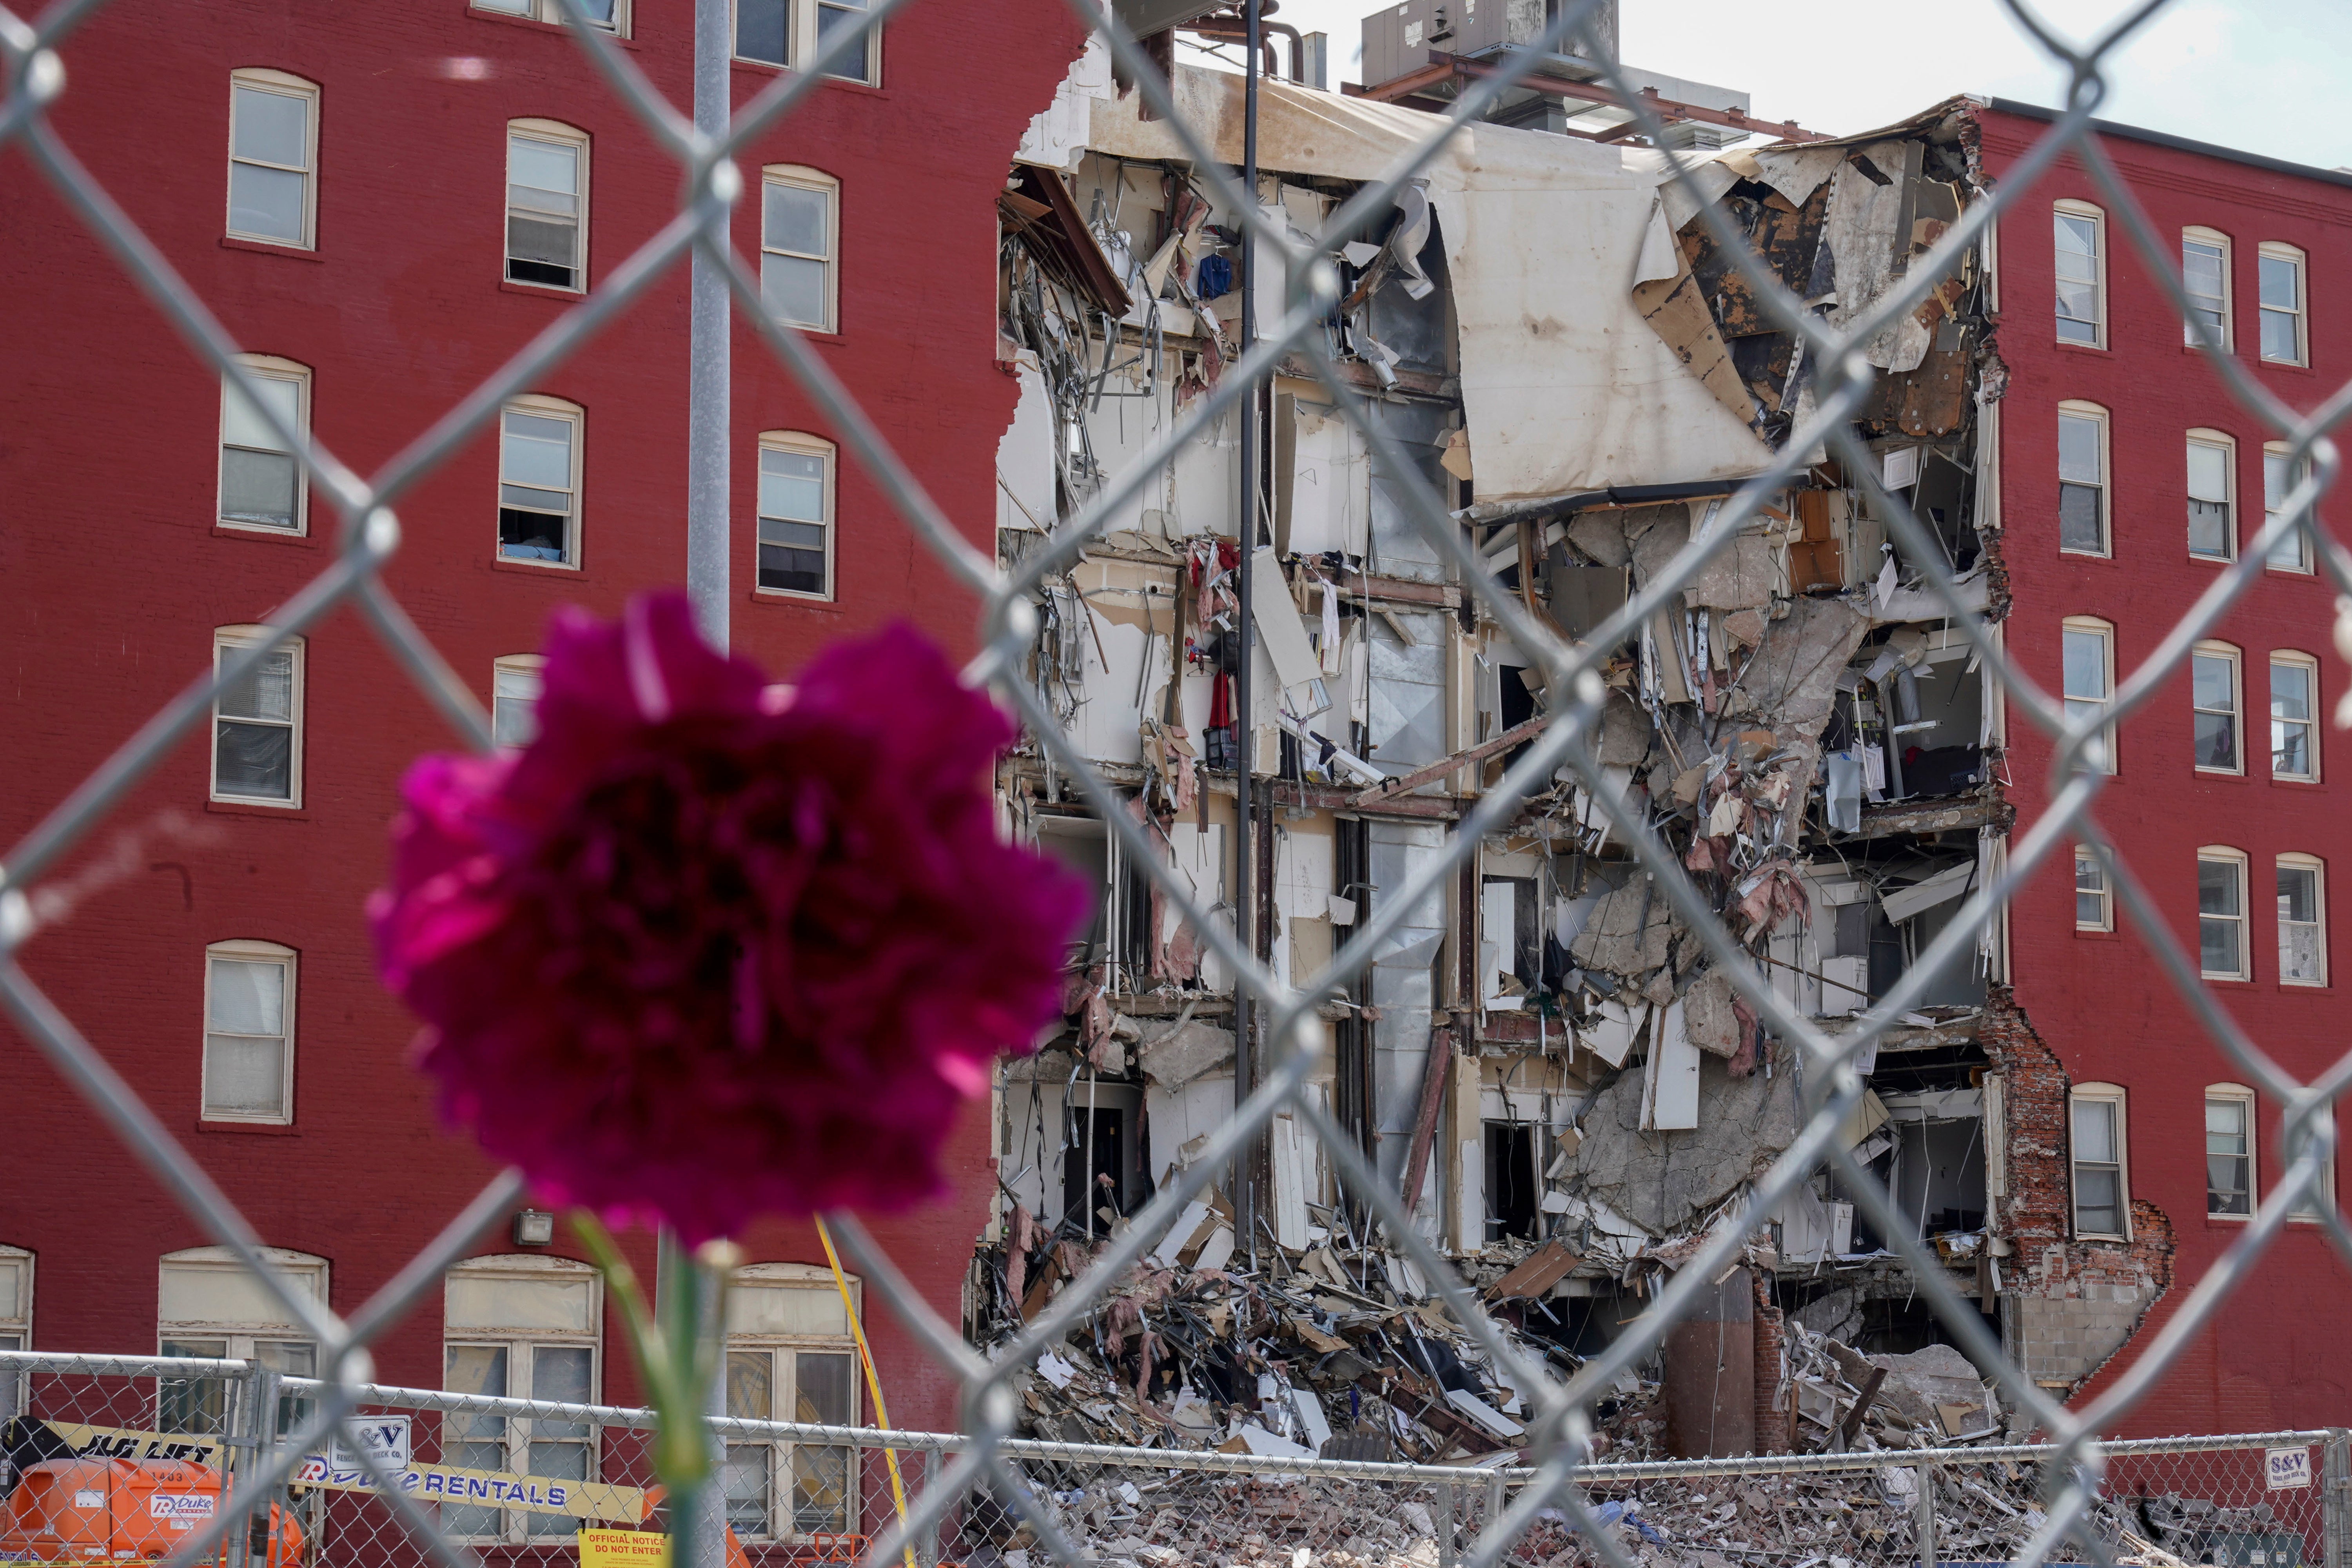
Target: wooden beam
x,y
1463,759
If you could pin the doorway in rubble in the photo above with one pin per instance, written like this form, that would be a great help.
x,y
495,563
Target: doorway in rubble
x,y
1102,1162
1514,1185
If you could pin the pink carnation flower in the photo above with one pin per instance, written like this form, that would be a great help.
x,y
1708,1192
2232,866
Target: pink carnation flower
x,y
709,949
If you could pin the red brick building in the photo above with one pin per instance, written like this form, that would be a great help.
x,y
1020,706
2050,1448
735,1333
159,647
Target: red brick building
x,y
329,180
2130,482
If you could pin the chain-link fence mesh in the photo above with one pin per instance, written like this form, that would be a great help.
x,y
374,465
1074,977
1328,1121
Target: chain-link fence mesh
x,y
2025,1506
518,1479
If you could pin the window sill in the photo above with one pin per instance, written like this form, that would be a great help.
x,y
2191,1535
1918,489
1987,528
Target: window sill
x,y
535,568
804,601
2288,366
268,248
541,290
2088,935
762,68
2292,781
266,1129
2317,987
2218,774
2229,982
2083,347
2227,1221
2103,557
2197,560
535,25
2102,1238
258,808
2304,571
276,535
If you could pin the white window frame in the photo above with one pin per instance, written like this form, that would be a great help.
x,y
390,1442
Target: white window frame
x,y
801,176
2239,1094
555,133
2069,208
2279,250
2221,854
245,951
2321,1200
2111,1095
2226,445
2292,659
806,445
2195,234
2230,654
2085,858
262,79
512,665
519,1343
268,367
800,40
266,1333
2297,472
226,641
2106,632
2295,860
2077,408
545,407
551,13
15,1326
782,1523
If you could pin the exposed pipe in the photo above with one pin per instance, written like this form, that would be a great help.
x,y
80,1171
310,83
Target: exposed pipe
x,y
1247,1161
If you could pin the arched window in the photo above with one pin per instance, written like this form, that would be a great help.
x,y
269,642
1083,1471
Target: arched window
x,y
796,512
800,216
209,1304
790,1357
547,204
2080,235
521,1326
2229,1187
273,158
249,1065
540,461
2101,1167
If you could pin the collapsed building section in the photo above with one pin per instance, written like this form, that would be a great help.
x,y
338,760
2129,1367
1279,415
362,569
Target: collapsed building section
x,y
1540,1059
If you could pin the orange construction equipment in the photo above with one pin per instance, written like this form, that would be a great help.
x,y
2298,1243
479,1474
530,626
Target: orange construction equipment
x,y
81,1514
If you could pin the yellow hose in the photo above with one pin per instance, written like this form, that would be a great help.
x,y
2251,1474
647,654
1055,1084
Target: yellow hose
x,y
872,1382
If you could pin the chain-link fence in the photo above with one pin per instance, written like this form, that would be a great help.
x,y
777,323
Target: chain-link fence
x,y
518,1479
2070,1500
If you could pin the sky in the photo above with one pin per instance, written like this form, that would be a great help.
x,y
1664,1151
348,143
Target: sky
x,y
2262,76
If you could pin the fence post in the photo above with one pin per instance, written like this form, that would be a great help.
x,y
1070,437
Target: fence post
x,y
1927,1506
2335,1499
1446,1555
1493,1500
911,1467
260,1424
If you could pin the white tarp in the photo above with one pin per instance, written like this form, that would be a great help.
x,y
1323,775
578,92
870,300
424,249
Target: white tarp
x,y
1564,385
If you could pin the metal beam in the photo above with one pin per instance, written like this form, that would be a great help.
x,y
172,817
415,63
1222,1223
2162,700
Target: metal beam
x,y
1443,68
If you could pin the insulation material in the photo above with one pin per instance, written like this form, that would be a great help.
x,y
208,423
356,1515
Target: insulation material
x,y
1563,387
1671,1092
1025,456
1328,485
1950,882
1278,623
1864,214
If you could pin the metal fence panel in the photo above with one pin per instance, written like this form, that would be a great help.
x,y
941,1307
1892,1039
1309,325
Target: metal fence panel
x,y
2053,1502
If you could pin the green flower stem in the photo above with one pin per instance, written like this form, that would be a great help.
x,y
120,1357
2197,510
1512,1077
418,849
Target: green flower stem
x,y
673,1359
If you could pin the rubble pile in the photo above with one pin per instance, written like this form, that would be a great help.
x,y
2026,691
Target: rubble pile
x,y
1335,1350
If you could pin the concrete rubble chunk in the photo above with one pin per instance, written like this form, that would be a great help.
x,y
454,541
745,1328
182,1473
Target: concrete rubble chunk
x,y
1186,1053
1667,1181
1707,1018
1601,535
1628,931
1658,535
1624,732
1737,575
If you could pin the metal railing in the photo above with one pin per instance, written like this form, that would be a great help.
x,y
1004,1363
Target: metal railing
x,y
1499,1515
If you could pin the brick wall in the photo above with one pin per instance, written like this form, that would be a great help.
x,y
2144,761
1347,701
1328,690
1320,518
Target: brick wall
x,y
2067,1306
1773,1405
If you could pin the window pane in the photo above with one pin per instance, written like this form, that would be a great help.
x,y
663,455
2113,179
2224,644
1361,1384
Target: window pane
x,y
547,173
2077,242
243,1077
541,250
2282,283
2298,892
2279,336
2291,718
2086,665
2278,479
2227,1158
794,219
2098,1200
2217,945
761,29
2213,680
821,1386
752,1386
265,202
537,450
2078,448
793,289
243,426
514,707
531,535
2094,1130
2208,528
2090,892
833,18
266,690
257,488
254,760
275,127
2217,887
247,997
2209,472
2217,741
790,570
792,485
820,1487
2200,271
198,1406
747,1486
2078,519
560,1373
